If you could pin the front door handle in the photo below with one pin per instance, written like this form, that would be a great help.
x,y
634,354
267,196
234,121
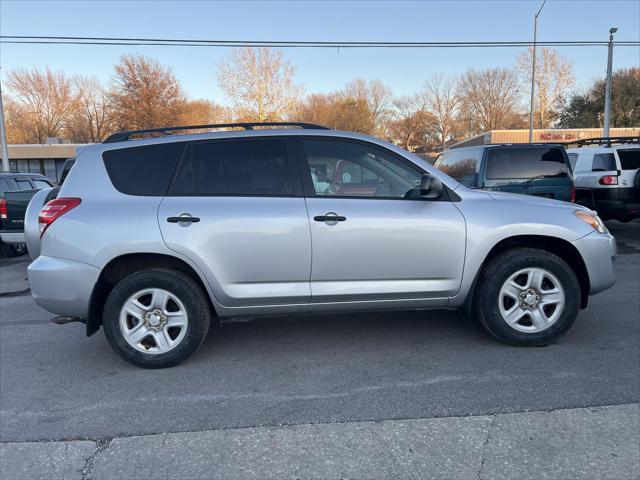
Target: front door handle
x,y
329,217
183,218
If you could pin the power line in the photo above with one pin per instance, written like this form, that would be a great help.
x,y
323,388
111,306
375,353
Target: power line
x,y
123,41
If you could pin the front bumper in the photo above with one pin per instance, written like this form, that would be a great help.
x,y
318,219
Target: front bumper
x,y
62,286
598,252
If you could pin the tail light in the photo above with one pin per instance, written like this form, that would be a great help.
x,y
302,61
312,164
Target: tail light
x,y
3,208
572,195
54,209
608,180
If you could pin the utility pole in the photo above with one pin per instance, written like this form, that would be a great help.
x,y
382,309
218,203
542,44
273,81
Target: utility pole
x,y
607,93
3,134
533,70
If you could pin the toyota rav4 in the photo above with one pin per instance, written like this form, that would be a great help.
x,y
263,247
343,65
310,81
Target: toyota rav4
x,y
154,239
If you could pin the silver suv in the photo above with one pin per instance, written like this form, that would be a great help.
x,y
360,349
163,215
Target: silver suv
x,y
156,238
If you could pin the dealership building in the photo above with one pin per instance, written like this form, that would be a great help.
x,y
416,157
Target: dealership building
x,y
47,159
549,135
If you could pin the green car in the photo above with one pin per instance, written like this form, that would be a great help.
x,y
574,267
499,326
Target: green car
x,y
542,170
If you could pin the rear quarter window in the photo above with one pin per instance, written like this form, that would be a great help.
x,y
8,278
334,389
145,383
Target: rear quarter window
x,y
145,170
521,163
629,159
603,162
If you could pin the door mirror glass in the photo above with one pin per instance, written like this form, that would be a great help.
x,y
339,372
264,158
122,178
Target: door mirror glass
x,y
430,187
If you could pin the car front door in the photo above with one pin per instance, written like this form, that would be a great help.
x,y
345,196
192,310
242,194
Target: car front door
x,y
369,241
236,209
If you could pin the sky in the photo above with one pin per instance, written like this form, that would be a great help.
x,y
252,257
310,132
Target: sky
x,y
318,70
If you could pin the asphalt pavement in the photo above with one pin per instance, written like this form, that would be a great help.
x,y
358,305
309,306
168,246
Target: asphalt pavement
x,y
343,369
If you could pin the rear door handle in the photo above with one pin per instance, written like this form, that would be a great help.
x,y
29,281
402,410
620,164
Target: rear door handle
x,y
329,217
183,219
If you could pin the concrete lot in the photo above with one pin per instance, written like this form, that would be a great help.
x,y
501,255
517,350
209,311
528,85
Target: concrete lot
x,y
342,370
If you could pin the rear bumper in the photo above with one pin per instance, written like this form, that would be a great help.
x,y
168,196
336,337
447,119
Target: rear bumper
x,y
598,252
62,286
12,237
617,202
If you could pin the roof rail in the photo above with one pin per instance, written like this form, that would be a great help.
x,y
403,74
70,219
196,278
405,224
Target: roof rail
x,y
124,136
607,141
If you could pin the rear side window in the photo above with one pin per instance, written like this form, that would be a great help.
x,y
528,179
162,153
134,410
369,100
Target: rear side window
x,y
603,162
629,159
24,185
40,184
463,165
506,163
145,170
242,168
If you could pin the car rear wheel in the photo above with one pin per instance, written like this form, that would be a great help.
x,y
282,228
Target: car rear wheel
x,y
527,296
156,318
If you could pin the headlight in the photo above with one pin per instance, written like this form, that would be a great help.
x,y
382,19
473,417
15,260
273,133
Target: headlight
x,y
592,219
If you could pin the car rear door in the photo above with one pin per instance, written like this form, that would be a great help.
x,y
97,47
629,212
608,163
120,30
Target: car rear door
x,y
236,209
376,244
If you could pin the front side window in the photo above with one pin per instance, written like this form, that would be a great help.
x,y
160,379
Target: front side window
x,y
463,165
603,162
351,169
241,168
525,163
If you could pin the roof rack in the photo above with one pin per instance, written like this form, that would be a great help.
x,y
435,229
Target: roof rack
x,y
607,141
124,136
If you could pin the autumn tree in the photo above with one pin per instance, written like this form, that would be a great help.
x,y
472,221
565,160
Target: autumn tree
x,y
554,77
376,95
144,94
443,98
201,111
39,103
490,99
412,124
91,121
336,110
259,83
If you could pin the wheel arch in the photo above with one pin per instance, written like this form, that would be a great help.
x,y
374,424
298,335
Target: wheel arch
x,y
555,245
123,265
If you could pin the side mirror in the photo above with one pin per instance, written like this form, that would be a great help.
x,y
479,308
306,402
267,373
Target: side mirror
x,y
430,187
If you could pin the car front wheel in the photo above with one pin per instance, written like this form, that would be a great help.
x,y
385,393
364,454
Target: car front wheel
x,y
527,296
156,318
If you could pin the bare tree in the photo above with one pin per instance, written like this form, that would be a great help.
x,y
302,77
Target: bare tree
x,y
91,121
554,78
490,98
375,94
443,100
259,83
412,124
42,102
144,94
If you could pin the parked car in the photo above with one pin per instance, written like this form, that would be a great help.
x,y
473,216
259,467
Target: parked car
x,y
542,170
154,239
16,189
607,177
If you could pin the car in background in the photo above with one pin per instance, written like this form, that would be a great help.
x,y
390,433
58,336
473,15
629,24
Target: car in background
x,y
607,176
16,189
542,170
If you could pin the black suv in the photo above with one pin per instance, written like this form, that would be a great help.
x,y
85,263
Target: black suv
x,y
542,170
20,187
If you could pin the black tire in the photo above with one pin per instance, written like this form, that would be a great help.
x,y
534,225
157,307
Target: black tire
x,y
179,284
495,274
13,249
